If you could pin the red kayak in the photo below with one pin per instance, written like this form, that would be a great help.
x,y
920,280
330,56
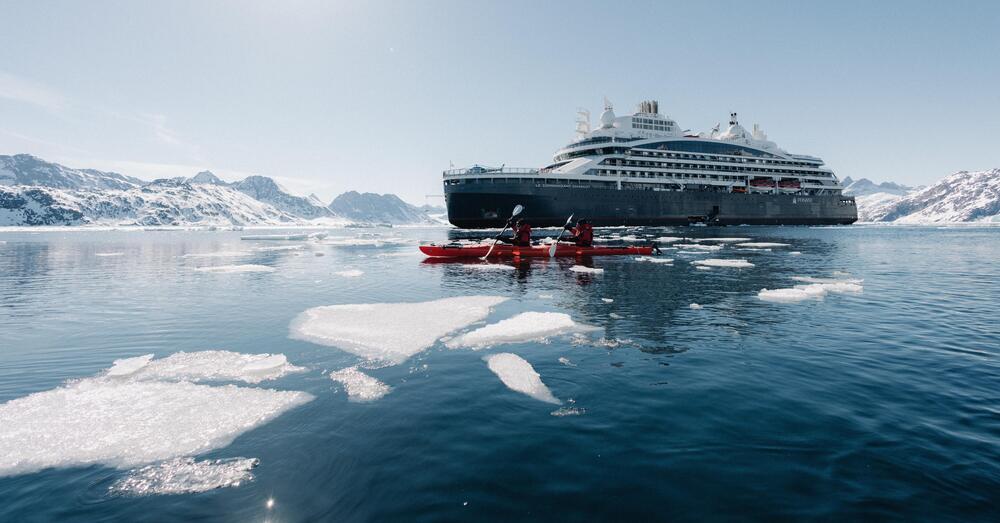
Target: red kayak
x,y
535,251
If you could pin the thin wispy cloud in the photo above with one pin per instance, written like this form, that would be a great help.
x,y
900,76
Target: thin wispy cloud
x,y
27,91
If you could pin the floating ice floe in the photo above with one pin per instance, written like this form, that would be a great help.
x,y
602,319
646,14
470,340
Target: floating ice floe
x,y
217,254
692,252
817,289
615,316
518,375
756,249
185,476
721,240
209,365
280,248
700,268
698,246
350,273
761,245
488,266
545,296
123,422
360,386
365,242
715,262
568,411
795,253
584,269
526,326
607,300
695,306
565,361
276,237
668,239
236,269
391,332
653,259
108,254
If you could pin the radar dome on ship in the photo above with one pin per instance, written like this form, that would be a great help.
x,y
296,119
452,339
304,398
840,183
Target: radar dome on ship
x,y
608,118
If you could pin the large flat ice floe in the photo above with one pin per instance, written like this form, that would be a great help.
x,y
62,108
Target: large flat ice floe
x,y
527,326
721,240
761,245
587,270
814,289
120,420
715,262
275,237
653,259
236,269
391,332
360,386
350,273
698,246
185,476
518,375
211,365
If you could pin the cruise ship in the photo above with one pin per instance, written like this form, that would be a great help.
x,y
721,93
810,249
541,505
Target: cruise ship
x,y
642,169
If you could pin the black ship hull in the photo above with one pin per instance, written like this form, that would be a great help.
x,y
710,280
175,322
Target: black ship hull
x,y
482,205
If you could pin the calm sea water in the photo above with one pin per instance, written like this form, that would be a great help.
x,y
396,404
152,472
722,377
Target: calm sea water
x,y
878,405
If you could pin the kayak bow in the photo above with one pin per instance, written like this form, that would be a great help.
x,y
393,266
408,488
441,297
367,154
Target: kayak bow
x,y
535,251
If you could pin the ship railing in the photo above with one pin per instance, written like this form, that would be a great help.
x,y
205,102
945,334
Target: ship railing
x,y
474,171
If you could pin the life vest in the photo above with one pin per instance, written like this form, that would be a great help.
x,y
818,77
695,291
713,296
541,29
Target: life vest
x,y
522,235
584,234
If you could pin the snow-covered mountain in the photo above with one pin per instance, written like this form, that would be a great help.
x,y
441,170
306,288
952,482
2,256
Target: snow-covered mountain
x,y
377,208
961,197
267,190
865,187
25,169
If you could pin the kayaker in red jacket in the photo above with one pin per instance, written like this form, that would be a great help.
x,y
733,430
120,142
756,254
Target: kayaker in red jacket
x,y
522,234
583,233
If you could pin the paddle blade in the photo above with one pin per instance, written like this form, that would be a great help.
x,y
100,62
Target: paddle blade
x,y
517,210
552,248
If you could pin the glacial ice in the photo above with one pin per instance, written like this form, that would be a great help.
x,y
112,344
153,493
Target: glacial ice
x,y
721,240
236,269
653,259
391,332
518,375
591,270
360,386
817,288
350,273
210,365
526,326
108,254
185,476
698,246
715,262
668,239
607,300
694,306
124,423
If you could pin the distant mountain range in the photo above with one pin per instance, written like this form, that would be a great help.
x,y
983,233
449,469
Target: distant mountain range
x,y
960,197
36,192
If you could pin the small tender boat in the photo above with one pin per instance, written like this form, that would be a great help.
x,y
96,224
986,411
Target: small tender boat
x,y
535,251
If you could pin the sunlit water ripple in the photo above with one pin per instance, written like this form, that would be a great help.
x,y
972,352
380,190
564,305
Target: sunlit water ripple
x,y
883,404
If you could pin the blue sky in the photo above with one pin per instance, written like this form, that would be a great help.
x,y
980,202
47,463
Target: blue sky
x,y
329,96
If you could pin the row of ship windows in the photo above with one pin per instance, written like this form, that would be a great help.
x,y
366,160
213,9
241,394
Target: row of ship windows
x,y
637,152
662,165
649,174
684,184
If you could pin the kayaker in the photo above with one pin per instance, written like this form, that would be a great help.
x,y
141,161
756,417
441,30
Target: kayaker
x,y
522,234
583,233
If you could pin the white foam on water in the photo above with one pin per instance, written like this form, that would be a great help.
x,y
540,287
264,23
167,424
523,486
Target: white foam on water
x,y
695,306
217,254
124,422
654,259
721,240
698,246
810,291
360,386
668,239
350,273
527,326
488,266
185,476
583,269
607,300
236,269
762,245
568,411
715,262
210,365
389,331
519,376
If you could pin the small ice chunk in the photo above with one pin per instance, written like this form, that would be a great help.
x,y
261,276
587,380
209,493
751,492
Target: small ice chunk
x,y
584,269
350,273
698,246
654,259
668,239
568,411
695,306
360,386
126,366
795,253
607,300
236,269
185,476
565,361
281,248
108,254
276,237
545,296
518,375
715,262
700,268
762,245
217,254
692,252
721,240
615,316
489,266
389,331
526,326
810,291
810,279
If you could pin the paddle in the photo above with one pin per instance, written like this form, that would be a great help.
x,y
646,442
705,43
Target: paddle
x,y
517,210
552,248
